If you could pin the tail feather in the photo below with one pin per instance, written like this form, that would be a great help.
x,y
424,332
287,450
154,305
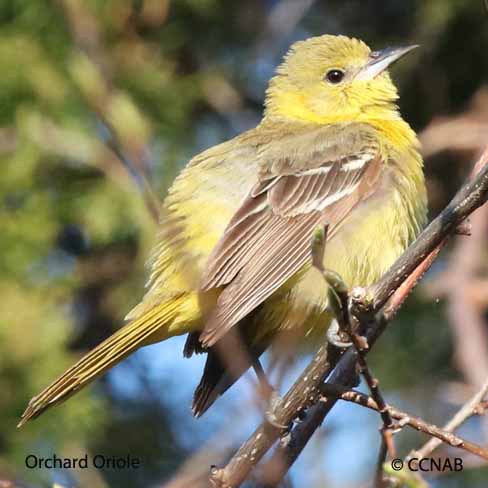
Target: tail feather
x,y
217,379
103,357
214,382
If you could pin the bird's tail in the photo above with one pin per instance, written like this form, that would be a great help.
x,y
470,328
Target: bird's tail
x,y
139,332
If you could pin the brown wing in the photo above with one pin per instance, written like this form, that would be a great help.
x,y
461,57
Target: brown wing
x,y
268,239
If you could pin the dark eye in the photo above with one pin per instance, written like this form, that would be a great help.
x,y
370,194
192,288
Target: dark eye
x,y
335,76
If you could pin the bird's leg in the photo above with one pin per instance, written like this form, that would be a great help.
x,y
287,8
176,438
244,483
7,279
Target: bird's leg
x,y
338,332
338,292
271,396
266,388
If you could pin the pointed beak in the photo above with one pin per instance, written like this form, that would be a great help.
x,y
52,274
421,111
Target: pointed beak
x,y
380,60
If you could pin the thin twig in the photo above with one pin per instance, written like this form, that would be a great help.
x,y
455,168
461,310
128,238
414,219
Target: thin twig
x,y
379,477
361,346
151,201
387,446
468,409
438,434
465,318
128,152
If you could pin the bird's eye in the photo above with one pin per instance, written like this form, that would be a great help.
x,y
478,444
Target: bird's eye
x,y
334,76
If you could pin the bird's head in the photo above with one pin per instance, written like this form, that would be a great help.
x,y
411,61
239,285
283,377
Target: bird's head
x,y
330,79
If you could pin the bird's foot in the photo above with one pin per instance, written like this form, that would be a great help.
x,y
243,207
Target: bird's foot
x,y
338,292
274,402
337,336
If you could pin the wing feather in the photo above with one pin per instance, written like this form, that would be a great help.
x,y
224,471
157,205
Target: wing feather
x,y
268,240
229,252
242,296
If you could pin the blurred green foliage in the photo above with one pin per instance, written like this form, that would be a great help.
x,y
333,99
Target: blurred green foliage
x,y
85,81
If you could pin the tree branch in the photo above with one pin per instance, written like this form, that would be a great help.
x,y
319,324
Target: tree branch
x,y
365,304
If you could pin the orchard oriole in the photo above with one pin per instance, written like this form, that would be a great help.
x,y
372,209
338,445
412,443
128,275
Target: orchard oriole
x,y
236,228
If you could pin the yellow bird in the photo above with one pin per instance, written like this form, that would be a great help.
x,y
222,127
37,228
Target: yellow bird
x,y
236,228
